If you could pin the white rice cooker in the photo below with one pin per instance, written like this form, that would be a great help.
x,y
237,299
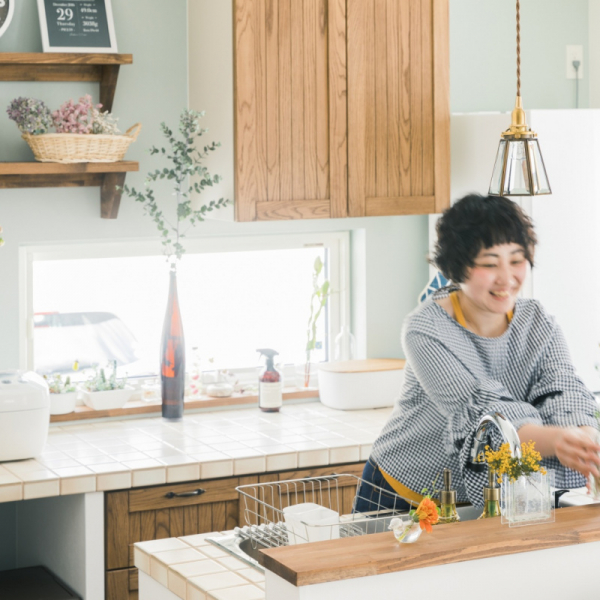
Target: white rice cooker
x,y
24,415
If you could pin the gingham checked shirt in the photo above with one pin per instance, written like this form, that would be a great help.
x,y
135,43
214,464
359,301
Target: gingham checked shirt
x,y
454,376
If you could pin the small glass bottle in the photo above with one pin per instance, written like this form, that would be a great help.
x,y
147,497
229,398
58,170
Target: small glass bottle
x,y
172,356
491,497
344,345
270,389
448,512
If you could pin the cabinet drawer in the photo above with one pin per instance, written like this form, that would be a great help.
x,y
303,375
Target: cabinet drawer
x,y
173,496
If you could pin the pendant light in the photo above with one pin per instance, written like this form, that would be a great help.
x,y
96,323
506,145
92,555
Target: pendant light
x,y
519,169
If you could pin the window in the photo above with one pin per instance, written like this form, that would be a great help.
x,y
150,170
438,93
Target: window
x,y
235,295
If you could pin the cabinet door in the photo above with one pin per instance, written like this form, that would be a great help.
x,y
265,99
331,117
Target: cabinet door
x,y
398,107
290,109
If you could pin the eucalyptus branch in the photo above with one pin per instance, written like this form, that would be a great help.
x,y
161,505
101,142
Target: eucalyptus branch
x,y
185,164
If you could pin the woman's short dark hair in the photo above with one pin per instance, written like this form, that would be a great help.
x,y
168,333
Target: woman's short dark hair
x,y
476,222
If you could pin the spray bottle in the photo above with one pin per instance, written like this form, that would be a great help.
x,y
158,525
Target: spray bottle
x,y
270,396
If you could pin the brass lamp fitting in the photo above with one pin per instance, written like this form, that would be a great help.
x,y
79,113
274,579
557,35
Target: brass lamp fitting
x,y
518,128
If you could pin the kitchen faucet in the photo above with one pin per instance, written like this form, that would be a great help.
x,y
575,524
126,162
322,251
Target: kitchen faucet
x,y
507,431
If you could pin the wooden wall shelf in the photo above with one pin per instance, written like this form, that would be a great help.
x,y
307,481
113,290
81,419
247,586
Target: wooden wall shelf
x,y
39,174
66,66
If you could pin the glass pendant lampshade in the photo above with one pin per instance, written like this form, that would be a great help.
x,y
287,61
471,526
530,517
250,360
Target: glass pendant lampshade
x,y
519,168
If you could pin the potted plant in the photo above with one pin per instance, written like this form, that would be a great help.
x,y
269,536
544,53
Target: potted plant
x,y
102,392
63,393
318,301
188,174
83,132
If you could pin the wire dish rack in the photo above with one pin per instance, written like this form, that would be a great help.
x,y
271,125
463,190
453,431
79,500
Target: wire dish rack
x,y
271,522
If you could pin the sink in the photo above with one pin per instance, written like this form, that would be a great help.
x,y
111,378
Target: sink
x,y
247,550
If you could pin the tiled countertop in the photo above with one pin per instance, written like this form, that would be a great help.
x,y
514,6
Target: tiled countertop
x,y
151,451
194,569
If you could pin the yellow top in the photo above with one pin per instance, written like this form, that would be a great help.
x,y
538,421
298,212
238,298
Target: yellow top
x,y
458,313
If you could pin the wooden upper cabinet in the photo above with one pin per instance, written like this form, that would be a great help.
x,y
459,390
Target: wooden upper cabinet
x,y
290,109
341,108
398,107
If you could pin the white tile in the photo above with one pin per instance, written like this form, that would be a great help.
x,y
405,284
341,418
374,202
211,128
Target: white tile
x,y
198,539
282,462
179,555
147,463
77,485
190,472
245,592
176,459
153,546
114,481
60,463
244,466
232,563
193,593
11,492
159,571
202,567
177,584
41,489
313,458
217,581
342,455
212,551
251,574
146,477
217,468
141,560
365,451
73,471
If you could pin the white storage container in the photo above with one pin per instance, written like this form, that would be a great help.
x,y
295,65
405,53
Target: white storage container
x,y
359,384
24,415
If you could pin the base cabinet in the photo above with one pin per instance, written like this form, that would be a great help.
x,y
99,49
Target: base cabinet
x,y
181,509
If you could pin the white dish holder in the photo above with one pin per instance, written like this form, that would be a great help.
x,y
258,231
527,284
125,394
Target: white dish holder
x,y
314,509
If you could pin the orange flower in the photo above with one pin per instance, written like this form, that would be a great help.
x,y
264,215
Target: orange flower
x,y
427,514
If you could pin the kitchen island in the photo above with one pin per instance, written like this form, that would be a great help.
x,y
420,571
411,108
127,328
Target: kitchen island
x,y
463,560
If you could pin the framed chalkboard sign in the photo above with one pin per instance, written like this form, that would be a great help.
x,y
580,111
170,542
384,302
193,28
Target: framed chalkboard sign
x,y
7,8
77,26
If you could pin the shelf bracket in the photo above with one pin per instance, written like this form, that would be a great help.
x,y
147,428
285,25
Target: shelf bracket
x,y
110,195
108,85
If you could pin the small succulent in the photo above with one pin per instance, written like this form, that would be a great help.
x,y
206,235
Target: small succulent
x,y
31,115
100,382
58,385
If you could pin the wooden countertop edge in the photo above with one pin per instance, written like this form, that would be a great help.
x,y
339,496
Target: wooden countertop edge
x,y
380,553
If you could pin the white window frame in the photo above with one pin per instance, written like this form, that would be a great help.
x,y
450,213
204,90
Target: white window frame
x,y
337,243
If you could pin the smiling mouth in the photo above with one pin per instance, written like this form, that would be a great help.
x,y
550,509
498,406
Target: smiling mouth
x,y
500,294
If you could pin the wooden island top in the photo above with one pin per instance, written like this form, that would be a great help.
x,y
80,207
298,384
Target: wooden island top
x,y
380,553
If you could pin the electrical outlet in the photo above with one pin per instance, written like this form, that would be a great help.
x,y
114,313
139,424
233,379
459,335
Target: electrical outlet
x,y
574,53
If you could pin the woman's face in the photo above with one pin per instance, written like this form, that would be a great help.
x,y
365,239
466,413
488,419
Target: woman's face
x,y
494,281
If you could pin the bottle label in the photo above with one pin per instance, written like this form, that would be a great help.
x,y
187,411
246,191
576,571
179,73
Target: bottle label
x,y
269,395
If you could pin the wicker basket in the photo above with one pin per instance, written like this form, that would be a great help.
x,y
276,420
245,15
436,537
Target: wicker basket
x,y
81,147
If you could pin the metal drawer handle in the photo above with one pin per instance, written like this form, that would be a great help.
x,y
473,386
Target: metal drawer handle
x,y
197,492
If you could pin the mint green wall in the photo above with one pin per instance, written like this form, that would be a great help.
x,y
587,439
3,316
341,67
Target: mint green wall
x,y
393,267
483,53
154,89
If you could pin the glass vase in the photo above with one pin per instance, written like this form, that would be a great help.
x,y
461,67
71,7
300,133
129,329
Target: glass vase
x,y
406,531
527,500
172,355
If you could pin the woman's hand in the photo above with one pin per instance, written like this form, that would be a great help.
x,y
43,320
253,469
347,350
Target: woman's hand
x,y
575,448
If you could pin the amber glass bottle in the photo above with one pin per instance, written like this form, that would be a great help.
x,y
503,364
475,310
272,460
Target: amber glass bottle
x,y
172,356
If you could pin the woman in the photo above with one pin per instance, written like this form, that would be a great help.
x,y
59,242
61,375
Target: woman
x,y
474,347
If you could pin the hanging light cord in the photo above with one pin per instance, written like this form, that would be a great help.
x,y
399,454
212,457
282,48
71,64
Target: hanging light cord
x,y
518,48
